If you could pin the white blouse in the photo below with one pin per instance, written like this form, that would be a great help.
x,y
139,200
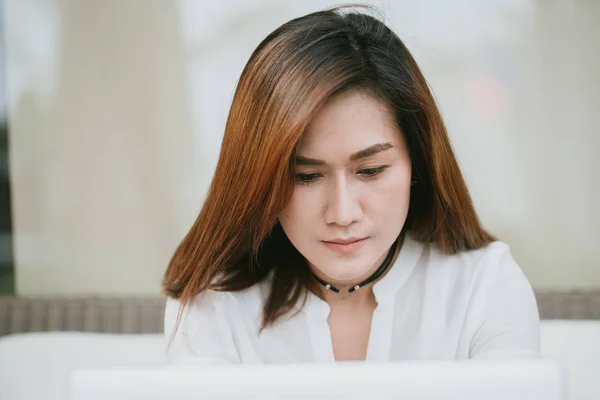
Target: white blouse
x,y
430,306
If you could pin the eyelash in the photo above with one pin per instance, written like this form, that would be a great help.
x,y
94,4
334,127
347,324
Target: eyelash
x,y
368,173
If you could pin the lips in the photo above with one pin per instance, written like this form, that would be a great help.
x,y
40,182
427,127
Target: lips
x,y
344,241
345,246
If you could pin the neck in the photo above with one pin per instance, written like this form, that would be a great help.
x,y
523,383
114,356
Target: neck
x,y
363,297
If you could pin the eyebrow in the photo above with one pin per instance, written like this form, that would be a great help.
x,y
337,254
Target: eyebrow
x,y
368,152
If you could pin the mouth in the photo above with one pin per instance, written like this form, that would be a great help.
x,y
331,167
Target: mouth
x,y
345,246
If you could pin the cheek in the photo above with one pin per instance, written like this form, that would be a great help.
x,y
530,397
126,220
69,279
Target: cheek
x,y
296,215
391,195
292,210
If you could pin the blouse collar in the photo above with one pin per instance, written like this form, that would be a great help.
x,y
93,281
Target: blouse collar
x,y
386,288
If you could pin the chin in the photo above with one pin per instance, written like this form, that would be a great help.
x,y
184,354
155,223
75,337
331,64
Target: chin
x,y
347,272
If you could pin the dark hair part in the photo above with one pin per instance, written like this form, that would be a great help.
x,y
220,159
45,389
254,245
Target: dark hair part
x,y
236,239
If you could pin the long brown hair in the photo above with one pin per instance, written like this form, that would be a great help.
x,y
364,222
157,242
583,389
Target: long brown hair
x,y
236,239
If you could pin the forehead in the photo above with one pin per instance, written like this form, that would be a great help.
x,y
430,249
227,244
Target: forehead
x,y
347,123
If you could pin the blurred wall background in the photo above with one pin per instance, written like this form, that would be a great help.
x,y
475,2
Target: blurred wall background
x,y
117,109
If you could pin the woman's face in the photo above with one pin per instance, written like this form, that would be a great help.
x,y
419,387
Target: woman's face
x,y
352,189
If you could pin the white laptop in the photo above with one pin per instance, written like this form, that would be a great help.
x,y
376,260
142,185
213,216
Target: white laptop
x,y
541,379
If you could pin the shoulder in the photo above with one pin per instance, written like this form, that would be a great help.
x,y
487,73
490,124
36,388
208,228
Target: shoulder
x,y
487,260
212,305
483,254
474,273
205,329
489,293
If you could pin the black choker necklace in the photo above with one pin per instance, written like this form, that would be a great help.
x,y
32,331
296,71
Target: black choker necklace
x,y
351,289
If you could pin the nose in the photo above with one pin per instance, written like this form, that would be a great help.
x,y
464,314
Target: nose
x,y
343,207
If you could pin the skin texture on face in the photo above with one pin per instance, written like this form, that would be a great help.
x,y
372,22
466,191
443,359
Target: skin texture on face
x,y
353,176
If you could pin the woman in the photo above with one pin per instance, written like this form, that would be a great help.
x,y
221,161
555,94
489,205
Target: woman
x,y
338,225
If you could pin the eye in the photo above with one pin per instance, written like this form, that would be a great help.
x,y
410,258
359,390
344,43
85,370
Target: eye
x,y
307,178
372,172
